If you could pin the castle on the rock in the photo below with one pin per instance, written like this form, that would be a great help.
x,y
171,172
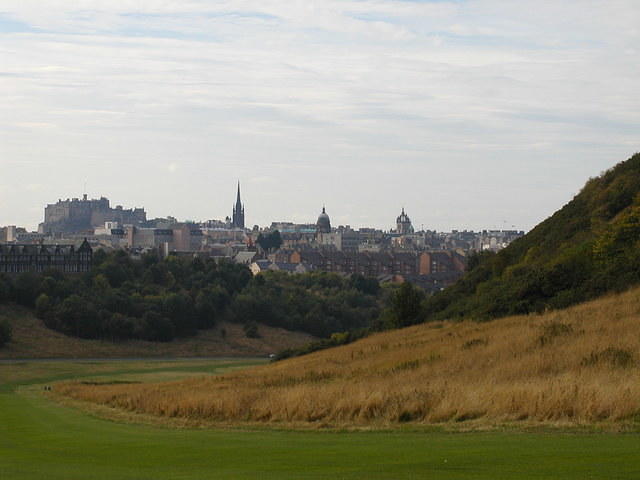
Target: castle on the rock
x,y
78,215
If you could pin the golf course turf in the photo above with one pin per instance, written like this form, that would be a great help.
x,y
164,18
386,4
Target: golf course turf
x,y
41,439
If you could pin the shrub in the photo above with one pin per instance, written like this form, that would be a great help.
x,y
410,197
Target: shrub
x,y
408,365
251,330
552,330
474,342
616,357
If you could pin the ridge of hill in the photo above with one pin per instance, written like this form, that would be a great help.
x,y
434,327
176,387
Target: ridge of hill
x,y
589,247
578,366
32,339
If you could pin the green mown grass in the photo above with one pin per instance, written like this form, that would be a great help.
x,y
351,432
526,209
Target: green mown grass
x,y
40,439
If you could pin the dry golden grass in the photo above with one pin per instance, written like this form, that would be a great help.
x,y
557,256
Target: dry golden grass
x,y
577,366
31,339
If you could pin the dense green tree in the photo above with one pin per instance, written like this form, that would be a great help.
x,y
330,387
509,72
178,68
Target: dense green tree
x,y
318,303
115,273
5,288
158,327
44,306
276,240
26,288
366,285
206,311
77,316
6,332
158,299
180,310
117,326
406,305
270,241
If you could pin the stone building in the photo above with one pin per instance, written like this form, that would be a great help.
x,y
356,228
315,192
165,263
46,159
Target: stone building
x,y
148,237
80,215
20,258
341,239
441,262
182,237
187,238
376,264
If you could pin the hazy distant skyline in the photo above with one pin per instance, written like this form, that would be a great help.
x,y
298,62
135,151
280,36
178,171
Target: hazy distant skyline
x,y
469,114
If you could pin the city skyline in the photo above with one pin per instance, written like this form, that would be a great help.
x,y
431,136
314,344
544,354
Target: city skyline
x,y
230,217
472,115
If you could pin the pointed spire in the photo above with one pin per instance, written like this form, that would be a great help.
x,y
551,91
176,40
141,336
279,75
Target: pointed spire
x,y
238,211
323,209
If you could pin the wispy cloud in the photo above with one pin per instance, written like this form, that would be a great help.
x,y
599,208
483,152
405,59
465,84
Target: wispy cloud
x,y
460,107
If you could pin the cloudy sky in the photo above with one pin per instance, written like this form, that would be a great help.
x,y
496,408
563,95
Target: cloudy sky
x,y
470,114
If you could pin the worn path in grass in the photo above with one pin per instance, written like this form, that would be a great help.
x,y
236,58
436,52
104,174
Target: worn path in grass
x,y
40,439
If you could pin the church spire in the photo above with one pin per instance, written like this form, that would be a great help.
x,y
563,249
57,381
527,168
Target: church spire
x,y
238,211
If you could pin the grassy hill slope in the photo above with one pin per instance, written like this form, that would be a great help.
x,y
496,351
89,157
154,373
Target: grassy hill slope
x,y
32,339
575,366
589,247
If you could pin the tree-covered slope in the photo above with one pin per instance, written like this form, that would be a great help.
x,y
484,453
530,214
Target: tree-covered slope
x,y
161,299
589,247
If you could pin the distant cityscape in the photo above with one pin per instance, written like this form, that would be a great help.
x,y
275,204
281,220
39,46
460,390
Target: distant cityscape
x,y
429,258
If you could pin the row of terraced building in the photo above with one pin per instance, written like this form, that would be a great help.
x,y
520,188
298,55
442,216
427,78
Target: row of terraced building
x,y
376,264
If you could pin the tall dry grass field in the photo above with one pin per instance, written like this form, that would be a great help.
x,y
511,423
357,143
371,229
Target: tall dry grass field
x,y
579,365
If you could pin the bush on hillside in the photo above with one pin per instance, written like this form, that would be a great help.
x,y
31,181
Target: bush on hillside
x,y
251,330
405,306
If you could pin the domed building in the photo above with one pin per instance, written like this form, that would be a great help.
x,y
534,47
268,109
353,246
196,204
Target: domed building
x,y
323,225
403,223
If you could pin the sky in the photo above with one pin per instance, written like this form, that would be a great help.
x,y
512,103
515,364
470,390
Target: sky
x,y
475,114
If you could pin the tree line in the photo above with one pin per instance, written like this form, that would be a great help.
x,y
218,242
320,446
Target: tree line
x,y
159,299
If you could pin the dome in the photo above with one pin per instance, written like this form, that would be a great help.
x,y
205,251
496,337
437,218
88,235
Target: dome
x,y
323,224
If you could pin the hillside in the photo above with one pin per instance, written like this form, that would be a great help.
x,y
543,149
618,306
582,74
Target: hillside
x,y
575,366
587,248
32,339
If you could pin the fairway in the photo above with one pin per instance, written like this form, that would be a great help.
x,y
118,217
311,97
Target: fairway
x,y
40,439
